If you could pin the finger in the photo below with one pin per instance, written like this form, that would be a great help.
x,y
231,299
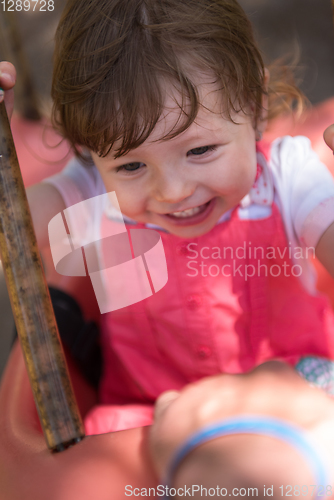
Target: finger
x,y
163,402
329,137
7,75
9,101
7,82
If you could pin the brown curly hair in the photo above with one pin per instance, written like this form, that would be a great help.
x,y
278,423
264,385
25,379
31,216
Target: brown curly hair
x,y
113,58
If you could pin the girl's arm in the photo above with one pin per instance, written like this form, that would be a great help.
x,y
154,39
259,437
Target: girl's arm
x,y
325,248
45,202
44,199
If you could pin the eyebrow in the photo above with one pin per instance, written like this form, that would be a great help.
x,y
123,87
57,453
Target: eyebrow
x,y
209,141
192,136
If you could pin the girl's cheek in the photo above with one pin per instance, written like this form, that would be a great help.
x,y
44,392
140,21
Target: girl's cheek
x,y
130,205
238,178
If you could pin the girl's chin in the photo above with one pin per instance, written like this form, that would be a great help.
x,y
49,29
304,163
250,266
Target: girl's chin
x,y
190,232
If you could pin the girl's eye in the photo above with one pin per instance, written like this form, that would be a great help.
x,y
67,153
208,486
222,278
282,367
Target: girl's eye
x,y
130,167
201,151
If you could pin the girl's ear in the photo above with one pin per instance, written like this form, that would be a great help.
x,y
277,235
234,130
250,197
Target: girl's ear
x,y
263,119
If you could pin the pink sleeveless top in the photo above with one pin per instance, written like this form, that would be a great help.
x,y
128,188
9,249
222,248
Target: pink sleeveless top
x,y
210,323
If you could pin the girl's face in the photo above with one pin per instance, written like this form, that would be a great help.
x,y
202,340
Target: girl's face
x,y
185,184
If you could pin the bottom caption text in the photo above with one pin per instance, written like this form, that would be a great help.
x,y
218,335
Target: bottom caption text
x,y
218,491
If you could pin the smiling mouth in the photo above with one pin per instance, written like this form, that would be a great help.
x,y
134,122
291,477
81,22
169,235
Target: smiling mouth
x,y
189,212
191,216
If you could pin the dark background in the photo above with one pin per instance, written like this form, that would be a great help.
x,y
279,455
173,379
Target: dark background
x,y
303,29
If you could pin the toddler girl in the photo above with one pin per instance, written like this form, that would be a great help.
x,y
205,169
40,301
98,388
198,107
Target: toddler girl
x,y
165,103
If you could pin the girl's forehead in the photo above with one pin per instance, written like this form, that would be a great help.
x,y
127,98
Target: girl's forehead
x,y
211,116
179,120
210,96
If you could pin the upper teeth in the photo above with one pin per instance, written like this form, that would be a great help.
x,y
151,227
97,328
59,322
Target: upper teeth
x,y
187,213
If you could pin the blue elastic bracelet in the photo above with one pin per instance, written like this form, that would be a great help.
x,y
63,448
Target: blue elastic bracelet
x,y
254,425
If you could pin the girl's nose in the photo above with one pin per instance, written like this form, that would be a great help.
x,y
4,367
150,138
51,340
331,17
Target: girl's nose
x,y
173,189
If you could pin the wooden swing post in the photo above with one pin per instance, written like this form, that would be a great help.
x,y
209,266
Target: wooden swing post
x,y
31,304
